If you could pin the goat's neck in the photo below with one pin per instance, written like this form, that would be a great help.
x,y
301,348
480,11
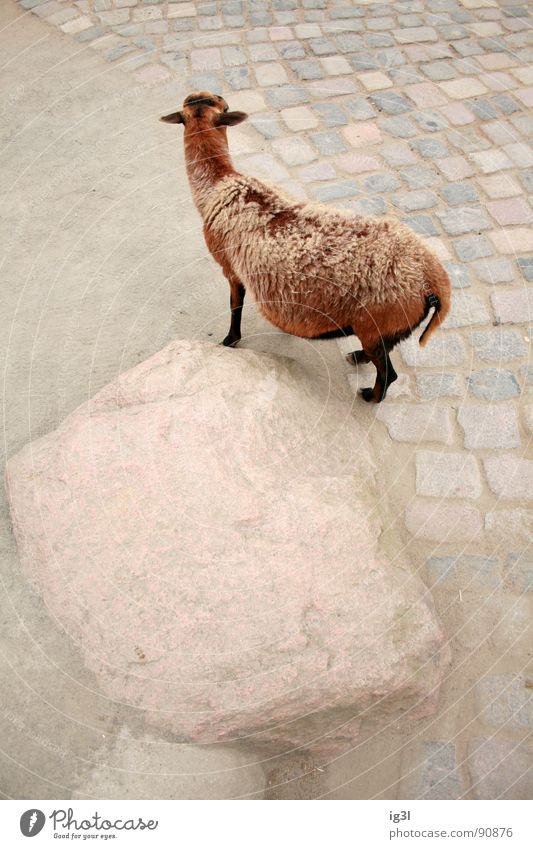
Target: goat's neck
x,y
208,161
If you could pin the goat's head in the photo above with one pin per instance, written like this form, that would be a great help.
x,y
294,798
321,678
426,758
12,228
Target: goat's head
x,y
203,110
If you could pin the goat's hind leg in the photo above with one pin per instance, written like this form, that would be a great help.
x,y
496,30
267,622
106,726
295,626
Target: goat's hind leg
x,y
385,373
236,302
357,358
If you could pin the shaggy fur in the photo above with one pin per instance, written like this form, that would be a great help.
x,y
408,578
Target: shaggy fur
x,y
312,269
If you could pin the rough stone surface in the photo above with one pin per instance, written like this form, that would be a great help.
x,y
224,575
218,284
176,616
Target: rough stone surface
x,y
489,426
510,476
232,616
505,700
442,522
407,423
500,769
447,475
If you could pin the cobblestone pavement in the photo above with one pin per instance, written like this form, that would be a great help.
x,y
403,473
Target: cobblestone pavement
x,y
420,109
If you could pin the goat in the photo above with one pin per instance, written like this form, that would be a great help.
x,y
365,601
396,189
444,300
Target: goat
x,y
315,271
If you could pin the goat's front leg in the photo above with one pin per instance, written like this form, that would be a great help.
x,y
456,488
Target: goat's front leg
x,y
236,301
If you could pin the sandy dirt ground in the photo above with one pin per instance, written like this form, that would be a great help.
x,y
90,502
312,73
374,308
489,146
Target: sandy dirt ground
x,y
103,263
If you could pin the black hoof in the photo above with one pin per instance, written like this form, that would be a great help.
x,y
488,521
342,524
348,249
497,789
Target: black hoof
x,y
367,393
229,342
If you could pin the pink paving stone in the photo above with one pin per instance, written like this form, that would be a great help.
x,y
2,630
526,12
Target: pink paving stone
x,y
425,94
280,33
500,186
417,53
517,241
498,81
206,59
317,171
510,476
458,114
357,163
491,160
441,522
455,167
463,87
524,75
408,35
514,211
513,306
525,95
364,132
375,80
521,154
495,61
152,73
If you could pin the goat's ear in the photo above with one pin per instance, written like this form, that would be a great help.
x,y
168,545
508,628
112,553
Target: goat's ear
x,y
229,119
173,118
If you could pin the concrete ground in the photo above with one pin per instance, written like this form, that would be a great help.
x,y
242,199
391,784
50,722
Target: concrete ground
x,y
418,109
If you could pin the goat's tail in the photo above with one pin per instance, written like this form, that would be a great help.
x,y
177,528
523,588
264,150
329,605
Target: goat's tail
x,y
439,297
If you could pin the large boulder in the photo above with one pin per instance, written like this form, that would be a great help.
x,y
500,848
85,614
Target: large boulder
x,y
206,528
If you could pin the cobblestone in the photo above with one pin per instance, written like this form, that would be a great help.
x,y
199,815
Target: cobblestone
x,y
467,308
493,271
510,477
445,384
505,700
498,345
440,522
463,219
519,572
447,475
489,426
499,768
513,305
457,193
409,423
446,349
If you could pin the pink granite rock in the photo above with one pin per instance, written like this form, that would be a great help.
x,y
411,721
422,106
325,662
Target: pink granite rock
x,y
206,529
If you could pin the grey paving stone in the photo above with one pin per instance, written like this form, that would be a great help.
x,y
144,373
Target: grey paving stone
x,y
483,109
525,265
204,82
420,176
467,48
362,61
430,122
439,71
399,127
287,95
526,178
421,224
390,102
378,39
359,108
291,50
263,53
456,193
308,69
473,247
493,384
439,775
470,571
445,384
234,55
519,572
267,124
384,182
397,154
322,46
330,114
328,143
459,275
91,33
336,191
504,700
430,148
464,219
405,75
238,78
506,104
348,42
294,151
390,57
498,345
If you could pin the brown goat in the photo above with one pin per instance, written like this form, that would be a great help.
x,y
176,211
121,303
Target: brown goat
x,y
314,271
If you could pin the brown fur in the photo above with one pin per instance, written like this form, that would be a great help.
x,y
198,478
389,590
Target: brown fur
x,y
311,268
